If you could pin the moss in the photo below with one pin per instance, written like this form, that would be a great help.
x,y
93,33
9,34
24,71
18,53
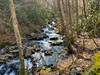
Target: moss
x,y
94,69
60,72
96,59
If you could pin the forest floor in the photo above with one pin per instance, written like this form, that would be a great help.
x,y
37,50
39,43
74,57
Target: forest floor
x,y
7,39
83,55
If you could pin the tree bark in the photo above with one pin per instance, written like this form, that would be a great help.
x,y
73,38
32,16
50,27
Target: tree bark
x,y
99,7
18,37
84,9
77,17
76,11
62,15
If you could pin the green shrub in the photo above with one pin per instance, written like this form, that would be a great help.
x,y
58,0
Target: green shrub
x,y
94,69
93,19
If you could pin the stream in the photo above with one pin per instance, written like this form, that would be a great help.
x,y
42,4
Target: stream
x,y
38,58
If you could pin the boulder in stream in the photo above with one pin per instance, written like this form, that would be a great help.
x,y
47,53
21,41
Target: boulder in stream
x,y
34,36
5,57
51,28
56,43
37,49
54,38
33,44
76,71
7,48
28,53
48,52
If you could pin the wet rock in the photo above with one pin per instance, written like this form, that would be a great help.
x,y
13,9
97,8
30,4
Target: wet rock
x,y
4,69
7,48
37,49
13,48
56,43
43,35
51,28
54,38
14,51
37,45
2,61
34,36
48,32
31,49
9,56
33,52
32,44
3,57
24,39
44,26
42,30
48,52
34,47
28,52
2,51
76,71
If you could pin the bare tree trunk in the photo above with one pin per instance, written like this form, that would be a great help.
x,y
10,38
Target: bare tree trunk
x,y
99,7
62,15
55,5
18,37
84,9
84,13
73,11
70,15
76,11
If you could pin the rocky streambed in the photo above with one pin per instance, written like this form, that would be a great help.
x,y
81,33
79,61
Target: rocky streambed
x,y
45,48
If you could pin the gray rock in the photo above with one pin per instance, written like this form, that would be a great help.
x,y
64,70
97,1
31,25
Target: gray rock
x,y
48,52
76,71
55,43
34,36
54,38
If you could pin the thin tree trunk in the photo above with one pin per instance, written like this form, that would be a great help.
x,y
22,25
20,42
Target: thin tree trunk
x,y
18,37
95,42
70,15
62,15
99,6
84,9
77,18
76,11
55,5
73,11
67,12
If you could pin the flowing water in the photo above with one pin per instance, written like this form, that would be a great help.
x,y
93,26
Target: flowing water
x,y
38,59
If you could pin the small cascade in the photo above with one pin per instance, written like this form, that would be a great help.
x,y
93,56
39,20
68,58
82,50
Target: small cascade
x,y
49,53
